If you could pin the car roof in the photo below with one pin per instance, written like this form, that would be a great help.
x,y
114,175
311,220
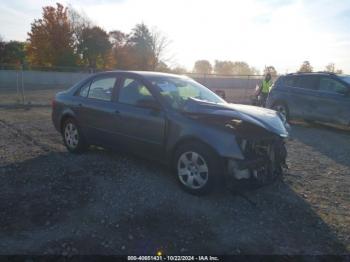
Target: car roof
x,y
311,73
143,73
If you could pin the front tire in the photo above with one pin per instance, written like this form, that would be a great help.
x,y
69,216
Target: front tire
x,y
197,168
72,136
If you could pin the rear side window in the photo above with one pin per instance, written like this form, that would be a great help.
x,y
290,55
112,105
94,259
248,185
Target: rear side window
x,y
331,85
102,88
306,82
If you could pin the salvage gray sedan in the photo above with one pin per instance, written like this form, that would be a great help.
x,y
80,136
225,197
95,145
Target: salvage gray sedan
x,y
177,121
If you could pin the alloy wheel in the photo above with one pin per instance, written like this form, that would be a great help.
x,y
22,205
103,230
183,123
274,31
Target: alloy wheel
x,y
71,135
192,170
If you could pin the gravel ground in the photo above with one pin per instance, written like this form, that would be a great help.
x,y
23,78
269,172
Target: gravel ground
x,y
100,202
9,96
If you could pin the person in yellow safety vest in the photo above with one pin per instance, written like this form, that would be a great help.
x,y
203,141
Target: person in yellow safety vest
x,y
265,88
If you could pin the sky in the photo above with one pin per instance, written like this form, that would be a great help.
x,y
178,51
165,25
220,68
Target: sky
x,y
282,33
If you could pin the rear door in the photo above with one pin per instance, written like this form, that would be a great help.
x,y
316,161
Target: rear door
x,y
303,93
333,101
141,129
97,110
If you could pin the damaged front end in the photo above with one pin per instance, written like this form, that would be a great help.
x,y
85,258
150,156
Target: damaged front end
x,y
259,134
264,160
263,149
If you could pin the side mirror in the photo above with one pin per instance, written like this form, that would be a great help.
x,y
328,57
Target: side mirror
x,y
149,103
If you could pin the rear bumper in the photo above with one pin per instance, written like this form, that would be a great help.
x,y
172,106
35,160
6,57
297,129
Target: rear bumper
x,y
55,120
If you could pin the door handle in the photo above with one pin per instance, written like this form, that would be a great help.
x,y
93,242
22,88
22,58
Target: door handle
x,y
80,104
117,112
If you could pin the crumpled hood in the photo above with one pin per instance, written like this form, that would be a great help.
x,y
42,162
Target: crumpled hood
x,y
265,118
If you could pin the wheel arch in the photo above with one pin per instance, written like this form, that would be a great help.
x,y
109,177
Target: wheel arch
x,y
187,140
66,115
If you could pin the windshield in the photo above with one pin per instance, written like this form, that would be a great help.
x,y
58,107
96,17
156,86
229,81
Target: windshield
x,y
178,90
346,78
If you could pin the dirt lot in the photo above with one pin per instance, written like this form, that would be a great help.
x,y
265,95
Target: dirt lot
x,y
53,202
35,97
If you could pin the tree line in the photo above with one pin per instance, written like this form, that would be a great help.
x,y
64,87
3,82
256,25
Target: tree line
x,y
307,68
63,38
229,68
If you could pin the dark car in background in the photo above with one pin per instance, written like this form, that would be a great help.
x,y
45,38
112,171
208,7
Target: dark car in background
x,y
174,120
323,97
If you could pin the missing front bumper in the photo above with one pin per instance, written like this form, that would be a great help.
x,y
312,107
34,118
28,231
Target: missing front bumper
x,y
264,161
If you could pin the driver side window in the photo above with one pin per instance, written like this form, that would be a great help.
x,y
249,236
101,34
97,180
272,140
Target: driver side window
x,y
187,91
133,91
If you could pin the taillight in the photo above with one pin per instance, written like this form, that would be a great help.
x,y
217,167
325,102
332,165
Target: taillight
x,y
53,102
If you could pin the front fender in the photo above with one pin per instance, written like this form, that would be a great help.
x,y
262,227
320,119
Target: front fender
x,y
224,143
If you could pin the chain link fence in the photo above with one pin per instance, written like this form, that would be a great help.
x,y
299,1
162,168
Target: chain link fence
x,y
37,86
233,88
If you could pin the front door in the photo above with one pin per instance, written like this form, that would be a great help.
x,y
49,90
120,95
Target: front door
x,y
141,129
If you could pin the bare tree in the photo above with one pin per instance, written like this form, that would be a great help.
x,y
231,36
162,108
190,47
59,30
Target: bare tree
x,y
338,71
79,21
332,69
159,45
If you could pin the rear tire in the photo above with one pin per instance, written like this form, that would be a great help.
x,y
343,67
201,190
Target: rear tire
x,y
72,136
197,167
